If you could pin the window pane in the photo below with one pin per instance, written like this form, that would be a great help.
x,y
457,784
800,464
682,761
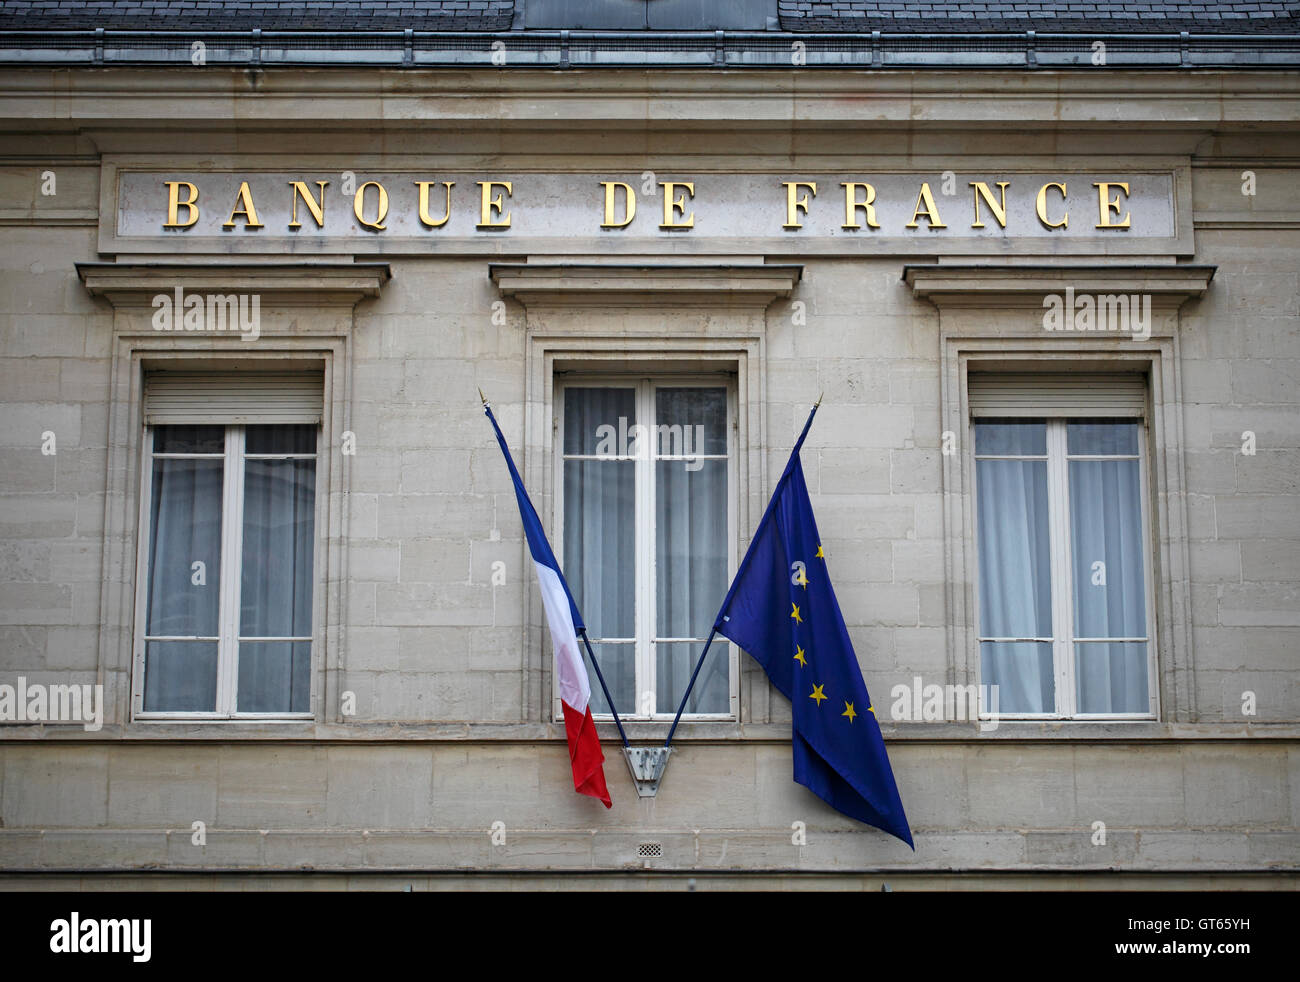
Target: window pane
x,y
279,517
180,676
298,438
1113,677
1094,436
1106,546
1014,559
599,421
690,545
274,677
691,421
1011,439
189,439
618,665
184,530
1022,672
600,544
674,663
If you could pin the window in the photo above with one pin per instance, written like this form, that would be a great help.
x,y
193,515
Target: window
x,y
224,618
1064,581
648,526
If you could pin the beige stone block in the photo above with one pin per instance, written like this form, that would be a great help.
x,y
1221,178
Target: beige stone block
x,y
1201,848
224,848
267,787
1104,778
1229,788
1080,849
163,786
36,603
1269,561
30,380
1022,787
1269,471
843,471
48,788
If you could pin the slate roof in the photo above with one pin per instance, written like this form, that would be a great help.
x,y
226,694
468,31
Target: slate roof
x,y
1064,16
242,15
827,16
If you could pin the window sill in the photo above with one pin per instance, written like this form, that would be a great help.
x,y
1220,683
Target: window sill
x,y
306,731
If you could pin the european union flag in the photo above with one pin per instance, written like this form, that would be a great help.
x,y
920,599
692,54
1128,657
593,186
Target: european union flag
x,y
782,610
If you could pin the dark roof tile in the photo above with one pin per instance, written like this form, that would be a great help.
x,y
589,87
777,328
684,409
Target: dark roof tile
x,y
1064,16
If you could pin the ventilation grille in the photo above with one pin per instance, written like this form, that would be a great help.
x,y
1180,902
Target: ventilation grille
x,y
650,850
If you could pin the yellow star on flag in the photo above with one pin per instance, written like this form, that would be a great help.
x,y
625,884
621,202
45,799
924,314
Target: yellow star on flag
x,y
848,711
820,554
818,695
799,656
795,613
871,710
802,577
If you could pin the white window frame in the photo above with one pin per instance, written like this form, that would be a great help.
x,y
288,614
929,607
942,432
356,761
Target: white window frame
x,y
645,385
1063,640
232,524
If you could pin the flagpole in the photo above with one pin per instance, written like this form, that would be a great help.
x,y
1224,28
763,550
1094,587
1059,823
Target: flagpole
x,y
604,688
687,694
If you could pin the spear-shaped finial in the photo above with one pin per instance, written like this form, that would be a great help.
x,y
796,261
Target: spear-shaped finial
x,y
818,403
482,396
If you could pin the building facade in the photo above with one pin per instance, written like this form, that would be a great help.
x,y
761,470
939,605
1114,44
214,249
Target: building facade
x,y
268,613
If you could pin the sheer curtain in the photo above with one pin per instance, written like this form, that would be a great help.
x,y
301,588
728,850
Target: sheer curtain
x,y
1015,567
276,580
1109,569
599,559
184,598
690,546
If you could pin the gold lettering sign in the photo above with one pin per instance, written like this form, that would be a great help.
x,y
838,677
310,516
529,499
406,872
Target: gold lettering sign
x,y
381,209
742,207
672,206
1106,204
930,211
174,203
493,207
630,197
317,208
852,204
243,206
795,204
425,218
999,207
1040,205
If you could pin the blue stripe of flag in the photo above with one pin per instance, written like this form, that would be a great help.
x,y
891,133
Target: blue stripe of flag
x,y
537,542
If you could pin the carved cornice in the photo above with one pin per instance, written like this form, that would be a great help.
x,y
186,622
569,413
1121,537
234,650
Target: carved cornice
x,y
635,283
288,284
1022,285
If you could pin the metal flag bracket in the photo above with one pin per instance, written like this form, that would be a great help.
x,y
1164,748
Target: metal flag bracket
x,y
647,765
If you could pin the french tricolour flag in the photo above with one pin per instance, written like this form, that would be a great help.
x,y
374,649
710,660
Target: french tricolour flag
x,y
566,623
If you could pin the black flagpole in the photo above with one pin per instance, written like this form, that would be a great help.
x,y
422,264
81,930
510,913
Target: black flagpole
x,y
687,694
604,688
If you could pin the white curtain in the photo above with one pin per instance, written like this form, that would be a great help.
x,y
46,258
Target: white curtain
x,y
276,586
600,534
1109,590
183,598
1015,583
